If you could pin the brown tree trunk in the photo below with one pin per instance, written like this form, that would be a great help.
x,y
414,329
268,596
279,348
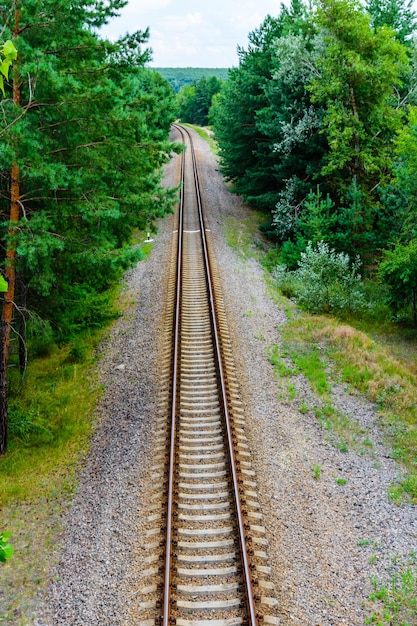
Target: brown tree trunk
x,y
8,303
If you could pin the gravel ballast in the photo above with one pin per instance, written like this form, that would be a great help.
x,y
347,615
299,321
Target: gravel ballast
x,y
325,539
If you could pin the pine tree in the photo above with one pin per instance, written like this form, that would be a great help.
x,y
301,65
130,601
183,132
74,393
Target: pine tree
x,y
397,14
82,165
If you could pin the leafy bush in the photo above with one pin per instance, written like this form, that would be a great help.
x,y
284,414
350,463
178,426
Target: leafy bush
x,y
285,281
325,280
285,212
40,336
398,270
291,252
27,425
6,548
329,280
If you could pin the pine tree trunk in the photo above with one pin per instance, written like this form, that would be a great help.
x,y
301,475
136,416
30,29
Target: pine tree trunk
x,y
8,303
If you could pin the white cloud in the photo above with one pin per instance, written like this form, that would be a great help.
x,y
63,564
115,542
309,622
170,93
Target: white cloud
x,y
175,23
248,21
180,35
138,7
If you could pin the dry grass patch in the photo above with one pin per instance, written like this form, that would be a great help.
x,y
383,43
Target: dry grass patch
x,y
387,380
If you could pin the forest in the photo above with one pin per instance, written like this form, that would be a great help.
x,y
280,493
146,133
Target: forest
x,y
84,135
180,76
317,128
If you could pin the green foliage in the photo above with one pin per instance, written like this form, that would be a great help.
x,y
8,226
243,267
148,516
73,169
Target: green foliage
x,y
90,154
359,70
325,280
285,280
194,101
318,218
40,336
178,77
328,280
396,599
8,54
316,469
6,548
308,121
309,360
29,427
246,153
397,14
398,270
403,192
279,365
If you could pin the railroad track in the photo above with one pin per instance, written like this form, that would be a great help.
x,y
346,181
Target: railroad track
x,y
206,543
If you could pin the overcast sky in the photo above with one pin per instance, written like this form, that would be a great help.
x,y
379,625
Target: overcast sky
x,y
190,33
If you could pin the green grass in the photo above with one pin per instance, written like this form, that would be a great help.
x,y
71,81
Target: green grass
x,y
370,367
51,417
242,235
316,470
204,134
376,357
341,481
308,359
395,600
38,475
50,422
311,361
281,369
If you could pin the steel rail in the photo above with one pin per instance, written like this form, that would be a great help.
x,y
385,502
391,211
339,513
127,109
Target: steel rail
x,y
249,594
243,548
171,470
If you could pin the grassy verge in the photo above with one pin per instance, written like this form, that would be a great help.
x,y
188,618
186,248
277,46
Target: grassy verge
x,y
206,135
51,416
51,423
377,359
394,600
300,356
241,235
371,367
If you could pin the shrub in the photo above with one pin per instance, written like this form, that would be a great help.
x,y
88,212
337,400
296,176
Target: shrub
x,y
328,280
398,270
40,336
325,281
285,281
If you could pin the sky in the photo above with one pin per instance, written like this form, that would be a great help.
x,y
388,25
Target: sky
x,y
190,33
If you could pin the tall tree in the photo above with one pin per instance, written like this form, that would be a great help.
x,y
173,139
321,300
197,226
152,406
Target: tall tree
x,y
358,74
194,101
10,267
397,14
82,167
246,155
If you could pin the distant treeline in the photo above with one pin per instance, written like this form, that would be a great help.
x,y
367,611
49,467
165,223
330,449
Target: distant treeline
x,y
180,76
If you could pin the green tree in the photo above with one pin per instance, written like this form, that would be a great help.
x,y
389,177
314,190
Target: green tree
x,y
398,270
246,154
404,184
82,167
397,14
328,280
194,101
356,81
